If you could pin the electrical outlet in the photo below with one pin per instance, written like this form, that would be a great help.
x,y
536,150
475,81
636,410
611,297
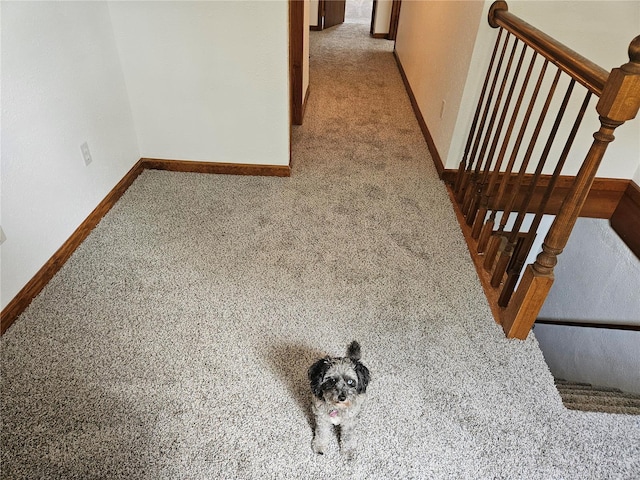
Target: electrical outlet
x,y
442,108
2,236
86,154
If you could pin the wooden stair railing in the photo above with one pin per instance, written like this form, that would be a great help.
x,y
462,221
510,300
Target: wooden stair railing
x,y
521,131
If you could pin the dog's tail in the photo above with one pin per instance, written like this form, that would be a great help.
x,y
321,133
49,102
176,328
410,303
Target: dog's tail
x,y
353,351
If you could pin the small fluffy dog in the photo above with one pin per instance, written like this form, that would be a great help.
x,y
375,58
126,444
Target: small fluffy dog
x,y
338,385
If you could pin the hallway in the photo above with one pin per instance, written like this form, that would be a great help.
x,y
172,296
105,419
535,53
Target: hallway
x,y
175,342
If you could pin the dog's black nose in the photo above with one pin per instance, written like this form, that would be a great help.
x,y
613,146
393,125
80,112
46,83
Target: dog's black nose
x,y
342,397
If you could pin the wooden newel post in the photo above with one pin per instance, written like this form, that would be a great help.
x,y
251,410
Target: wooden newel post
x,y
619,102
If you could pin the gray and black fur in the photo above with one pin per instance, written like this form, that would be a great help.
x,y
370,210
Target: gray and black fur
x,y
339,386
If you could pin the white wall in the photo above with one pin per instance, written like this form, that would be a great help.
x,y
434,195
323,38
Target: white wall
x,y
186,80
62,85
207,81
383,16
598,264
313,12
605,358
601,267
586,27
435,42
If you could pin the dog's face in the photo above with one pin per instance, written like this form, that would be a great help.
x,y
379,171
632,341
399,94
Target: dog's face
x,y
338,381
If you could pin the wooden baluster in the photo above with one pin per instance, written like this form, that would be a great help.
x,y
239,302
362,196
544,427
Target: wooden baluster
x,y
486,231
505,255
487,228
496,244
524,207
618,103
483,202
465,166
489,260
515,268
504,263
464,197
484,158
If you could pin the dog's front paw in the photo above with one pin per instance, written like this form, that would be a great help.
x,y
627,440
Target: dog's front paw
x,y
318,446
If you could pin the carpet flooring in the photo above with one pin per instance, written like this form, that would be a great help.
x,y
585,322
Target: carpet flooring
x,y
593,398
174,344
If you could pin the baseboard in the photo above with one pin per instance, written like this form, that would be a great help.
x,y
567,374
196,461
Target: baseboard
x,y
626,218
437,160
603,199
608,326
217,168
22,300
484,277
380,35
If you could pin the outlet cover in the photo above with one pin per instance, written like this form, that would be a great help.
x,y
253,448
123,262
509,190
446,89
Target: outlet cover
x,y
86,154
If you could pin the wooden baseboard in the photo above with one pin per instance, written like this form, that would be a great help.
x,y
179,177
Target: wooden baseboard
x,y
609,326
604,196
22,300
217,168
380,35
485,277
437,160
626,218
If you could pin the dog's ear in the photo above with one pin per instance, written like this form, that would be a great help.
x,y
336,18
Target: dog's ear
x,y
363,377
316,375
353,351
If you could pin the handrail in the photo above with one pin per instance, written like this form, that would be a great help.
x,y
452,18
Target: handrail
x,y
583,70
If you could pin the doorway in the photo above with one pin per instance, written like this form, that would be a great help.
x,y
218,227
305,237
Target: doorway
x,y
301,12
359,11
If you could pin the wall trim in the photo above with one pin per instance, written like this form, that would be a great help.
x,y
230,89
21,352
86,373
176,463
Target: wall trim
x,y
296,47
435,155
22,300
625,220
25,296
216,168
604,196
609,326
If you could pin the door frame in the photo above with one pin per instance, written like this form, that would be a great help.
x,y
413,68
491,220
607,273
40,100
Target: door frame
x,y
393,20
395,16
296,61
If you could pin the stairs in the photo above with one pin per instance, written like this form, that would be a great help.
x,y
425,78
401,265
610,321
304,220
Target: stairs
x,y
586,397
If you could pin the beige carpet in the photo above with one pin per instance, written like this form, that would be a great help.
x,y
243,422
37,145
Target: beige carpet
x,y
174,344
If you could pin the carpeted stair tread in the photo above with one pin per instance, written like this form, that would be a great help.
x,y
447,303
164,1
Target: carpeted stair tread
x,y
583,386
600,393
586,397
603,408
